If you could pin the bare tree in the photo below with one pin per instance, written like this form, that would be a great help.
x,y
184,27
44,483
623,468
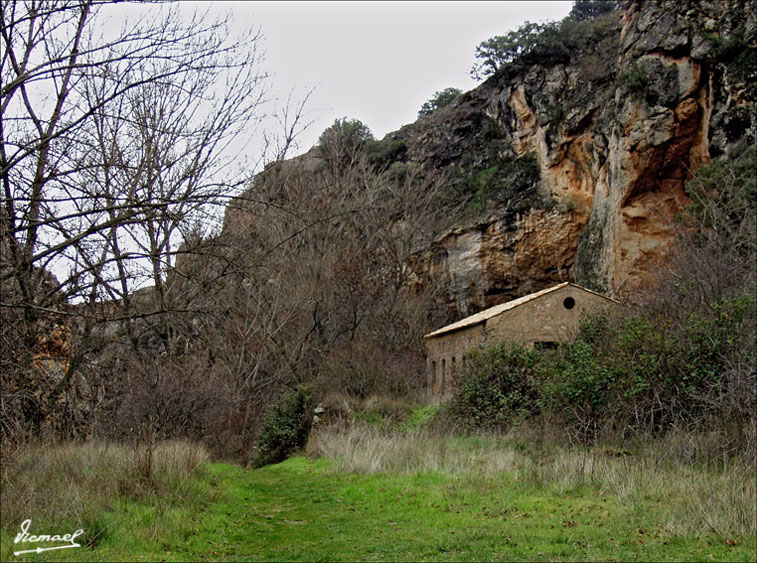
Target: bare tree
x,y
108,139
336,241
113,144
113,161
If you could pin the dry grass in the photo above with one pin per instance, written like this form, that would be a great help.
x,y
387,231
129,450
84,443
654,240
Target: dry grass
x,y
367,449
82,480
698,498
692,497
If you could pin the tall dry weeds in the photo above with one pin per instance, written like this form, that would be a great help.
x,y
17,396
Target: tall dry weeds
x,y
699,497
79,481
366,449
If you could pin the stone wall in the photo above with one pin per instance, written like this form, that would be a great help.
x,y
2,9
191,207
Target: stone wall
x,y
551,318
445,354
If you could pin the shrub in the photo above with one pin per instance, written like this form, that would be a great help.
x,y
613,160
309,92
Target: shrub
x,y
724,201
349,131
740,57
384,153
439,100
400,172
650,371
576,385
343,141
421,417
512,182
285,430
587,9
496,388
503,49
544,44
651,81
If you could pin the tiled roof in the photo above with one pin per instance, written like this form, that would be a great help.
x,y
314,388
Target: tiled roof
x,y
498,309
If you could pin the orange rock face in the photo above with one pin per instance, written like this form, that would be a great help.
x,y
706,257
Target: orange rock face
x,y
496,261
51,353
615,154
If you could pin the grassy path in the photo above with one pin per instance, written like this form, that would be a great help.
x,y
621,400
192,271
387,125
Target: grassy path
x,y
305,511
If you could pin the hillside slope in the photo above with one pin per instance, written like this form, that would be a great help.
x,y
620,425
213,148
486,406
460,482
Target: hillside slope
x,y
617,126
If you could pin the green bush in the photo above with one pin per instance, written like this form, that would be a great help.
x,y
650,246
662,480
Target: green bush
x,y
439,100
496,388
576,385
649,371
544,44
512,182
500,50
400,172
724,201
588,9
645,373
341,143
421,417
384,153
285,430
352,132
740,57
635,81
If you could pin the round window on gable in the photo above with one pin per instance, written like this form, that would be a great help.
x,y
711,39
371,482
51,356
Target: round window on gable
x,y
569,302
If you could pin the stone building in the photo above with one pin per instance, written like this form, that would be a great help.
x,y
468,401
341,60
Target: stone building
x,y
541,319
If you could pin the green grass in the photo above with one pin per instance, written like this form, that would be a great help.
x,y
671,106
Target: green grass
x,y
420,417
305,510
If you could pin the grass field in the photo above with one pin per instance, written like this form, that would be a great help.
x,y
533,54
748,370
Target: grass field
x,y
330,509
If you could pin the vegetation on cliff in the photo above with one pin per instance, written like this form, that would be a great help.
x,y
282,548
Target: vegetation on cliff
x,y
439,100
547,44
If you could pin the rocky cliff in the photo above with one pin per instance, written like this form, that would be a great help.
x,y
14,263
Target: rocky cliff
x,y
574,163
617,130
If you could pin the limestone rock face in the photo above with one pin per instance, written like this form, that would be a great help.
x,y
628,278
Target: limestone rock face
x,y
660,131
496,260
616,129
617,132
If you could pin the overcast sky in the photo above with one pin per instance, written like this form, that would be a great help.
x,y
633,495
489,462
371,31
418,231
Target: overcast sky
x,y
376,61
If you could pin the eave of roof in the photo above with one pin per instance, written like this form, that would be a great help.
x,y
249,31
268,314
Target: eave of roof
x,y
487,314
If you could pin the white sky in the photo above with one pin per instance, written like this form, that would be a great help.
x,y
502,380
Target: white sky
x,y
375,61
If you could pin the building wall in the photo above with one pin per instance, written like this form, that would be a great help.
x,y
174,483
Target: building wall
x,y
547,320
445,354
